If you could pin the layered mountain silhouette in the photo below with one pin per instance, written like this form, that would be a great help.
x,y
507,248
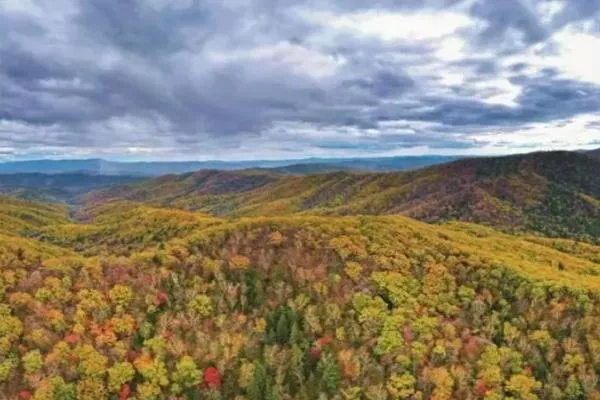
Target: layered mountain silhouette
x,y
157,168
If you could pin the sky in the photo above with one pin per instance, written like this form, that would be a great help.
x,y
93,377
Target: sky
x,y
277,79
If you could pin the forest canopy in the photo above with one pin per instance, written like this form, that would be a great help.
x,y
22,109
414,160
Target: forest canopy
x,y
136,301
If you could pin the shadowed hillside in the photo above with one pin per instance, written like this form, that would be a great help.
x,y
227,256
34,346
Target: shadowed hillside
x,y
555,193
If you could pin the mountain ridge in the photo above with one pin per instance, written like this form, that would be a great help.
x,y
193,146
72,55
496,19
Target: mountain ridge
x,y
546,192
157,168
594,153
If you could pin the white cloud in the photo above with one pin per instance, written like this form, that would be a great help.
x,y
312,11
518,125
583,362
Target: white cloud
x,y
575,55
393,26
568,135
578,55
547,10
451,49
503,92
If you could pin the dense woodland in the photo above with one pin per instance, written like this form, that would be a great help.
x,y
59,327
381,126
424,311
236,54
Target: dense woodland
x,y
281,299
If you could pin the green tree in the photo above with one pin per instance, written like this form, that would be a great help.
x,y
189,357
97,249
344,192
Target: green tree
x,y
91,362
32,362
62,390
283,329
523,387
121,296
186,375
258,387
10,329
7,368
118,375
330,374
91,389
401,386
573,391
200,305
246,374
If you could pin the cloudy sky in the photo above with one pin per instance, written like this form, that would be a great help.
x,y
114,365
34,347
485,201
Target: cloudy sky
x,y
266,79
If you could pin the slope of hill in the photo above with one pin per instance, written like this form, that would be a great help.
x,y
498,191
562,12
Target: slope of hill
x,y
57,187
555,193
123,228
19,216
21,219
298,307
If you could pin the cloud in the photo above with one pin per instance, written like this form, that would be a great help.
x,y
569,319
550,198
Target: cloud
x,y
390,26
262,79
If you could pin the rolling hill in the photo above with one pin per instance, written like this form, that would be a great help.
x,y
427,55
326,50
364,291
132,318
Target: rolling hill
x,y
160,303
270,284
554,193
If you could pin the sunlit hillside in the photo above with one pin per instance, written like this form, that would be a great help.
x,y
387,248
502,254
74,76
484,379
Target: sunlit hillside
x,y
134,301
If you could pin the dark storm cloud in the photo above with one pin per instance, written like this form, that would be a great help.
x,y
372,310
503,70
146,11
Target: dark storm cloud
x,y
506,15
542,100
205,74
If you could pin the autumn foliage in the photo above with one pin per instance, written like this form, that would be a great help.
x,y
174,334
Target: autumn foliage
x,y
135,301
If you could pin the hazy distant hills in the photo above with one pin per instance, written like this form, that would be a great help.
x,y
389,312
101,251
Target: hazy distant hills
x,y
311,165
57,187
556,193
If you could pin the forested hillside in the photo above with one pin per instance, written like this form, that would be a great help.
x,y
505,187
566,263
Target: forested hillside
x,y
133,301
553,193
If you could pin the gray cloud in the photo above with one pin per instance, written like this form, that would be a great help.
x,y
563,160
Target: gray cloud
x,y
508,16
194,77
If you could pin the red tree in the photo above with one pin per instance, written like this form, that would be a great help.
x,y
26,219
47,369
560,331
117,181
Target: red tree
x,y
25,395
124,392
212,378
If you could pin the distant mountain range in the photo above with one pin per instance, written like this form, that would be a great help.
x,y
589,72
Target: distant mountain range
x,y
57,187
310,165
555,193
